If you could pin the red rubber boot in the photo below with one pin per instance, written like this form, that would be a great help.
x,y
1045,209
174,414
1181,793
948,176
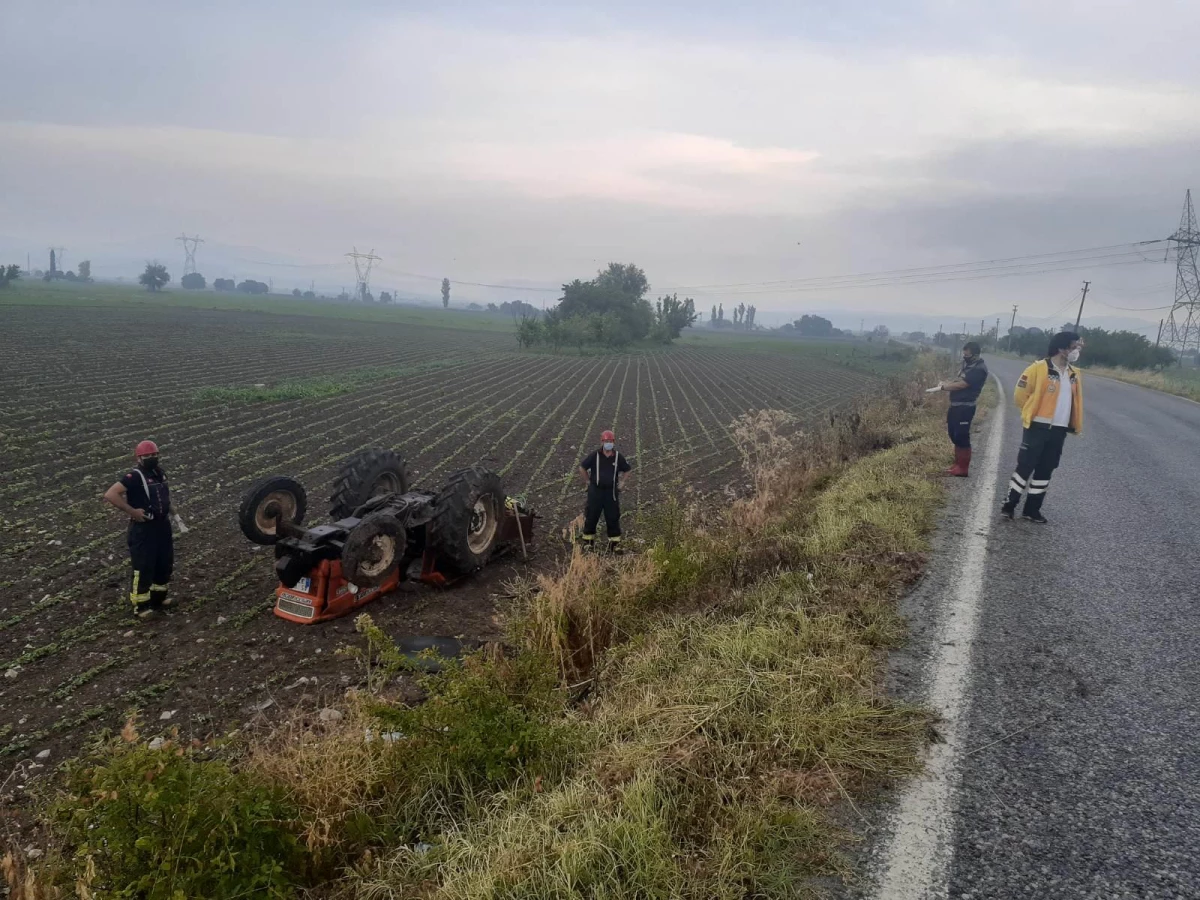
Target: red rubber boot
x,y
962,460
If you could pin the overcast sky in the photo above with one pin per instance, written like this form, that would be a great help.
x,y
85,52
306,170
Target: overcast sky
x,y
711,143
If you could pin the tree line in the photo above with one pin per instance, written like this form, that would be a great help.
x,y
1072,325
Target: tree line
x,y
611,311
1126,349
743,317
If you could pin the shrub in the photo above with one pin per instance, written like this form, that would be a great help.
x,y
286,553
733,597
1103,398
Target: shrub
x,y
486,723
171,822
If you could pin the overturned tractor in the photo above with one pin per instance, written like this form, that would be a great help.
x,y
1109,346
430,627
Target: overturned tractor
x,y
380,531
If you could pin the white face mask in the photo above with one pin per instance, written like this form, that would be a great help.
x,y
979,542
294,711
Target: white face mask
x,y
1073,356
608,445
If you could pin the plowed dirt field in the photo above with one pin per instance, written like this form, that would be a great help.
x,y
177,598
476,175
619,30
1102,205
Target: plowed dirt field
x,y
81,385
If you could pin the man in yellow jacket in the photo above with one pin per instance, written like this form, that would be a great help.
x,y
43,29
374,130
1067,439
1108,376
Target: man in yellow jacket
x,y
1050,395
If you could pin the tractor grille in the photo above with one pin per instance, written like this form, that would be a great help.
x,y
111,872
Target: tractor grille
x,y
294,606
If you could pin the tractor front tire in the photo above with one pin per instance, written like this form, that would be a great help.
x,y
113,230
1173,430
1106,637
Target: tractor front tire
x,y
264,501
373,550
465,527
366,474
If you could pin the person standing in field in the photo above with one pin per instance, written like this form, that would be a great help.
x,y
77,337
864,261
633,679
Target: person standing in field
x,y
143,495
1050,396
601,471
964,394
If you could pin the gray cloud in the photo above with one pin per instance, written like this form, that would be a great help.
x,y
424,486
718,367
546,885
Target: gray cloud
x,y
534,143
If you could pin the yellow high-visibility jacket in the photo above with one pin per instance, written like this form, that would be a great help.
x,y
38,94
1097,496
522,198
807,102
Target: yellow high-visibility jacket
x,y
1037,394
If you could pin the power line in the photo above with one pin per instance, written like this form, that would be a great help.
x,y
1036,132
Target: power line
x,y
945,268
940,279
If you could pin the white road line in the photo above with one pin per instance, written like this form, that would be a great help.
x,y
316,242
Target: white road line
x,y
918,859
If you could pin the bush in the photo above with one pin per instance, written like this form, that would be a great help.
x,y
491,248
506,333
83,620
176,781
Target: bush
x,y
487,723
250,286
171,823
193,281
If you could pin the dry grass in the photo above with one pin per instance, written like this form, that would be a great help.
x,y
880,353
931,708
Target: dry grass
x,y
732,702
1179,381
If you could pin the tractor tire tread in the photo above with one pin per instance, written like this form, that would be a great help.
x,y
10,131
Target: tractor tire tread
x,y
358,473
254,496
452,507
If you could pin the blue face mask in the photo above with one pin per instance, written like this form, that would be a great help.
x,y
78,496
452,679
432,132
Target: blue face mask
x,y
608,445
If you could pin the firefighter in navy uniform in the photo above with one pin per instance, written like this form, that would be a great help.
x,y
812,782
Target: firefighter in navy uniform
x,y
964,394
601,471
142,494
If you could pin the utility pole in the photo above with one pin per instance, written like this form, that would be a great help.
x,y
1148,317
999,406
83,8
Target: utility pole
x,y
1159,338
1013,323
189,251
1183,324
997,333
362,271
1081,299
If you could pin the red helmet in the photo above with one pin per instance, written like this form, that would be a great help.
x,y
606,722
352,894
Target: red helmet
x,y
146,448
608,436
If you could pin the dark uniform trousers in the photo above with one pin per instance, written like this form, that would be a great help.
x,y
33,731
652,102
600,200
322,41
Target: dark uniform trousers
x,y
152,555
1041,450
958,424
606,501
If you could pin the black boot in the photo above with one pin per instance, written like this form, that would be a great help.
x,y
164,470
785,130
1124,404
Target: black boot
x,y
1010,505
1033,508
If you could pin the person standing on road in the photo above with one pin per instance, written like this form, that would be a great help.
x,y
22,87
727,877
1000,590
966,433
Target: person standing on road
x,y
142,494
1050,395
964,394
601,471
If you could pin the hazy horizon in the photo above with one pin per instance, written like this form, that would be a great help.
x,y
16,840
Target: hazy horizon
x,y
530,146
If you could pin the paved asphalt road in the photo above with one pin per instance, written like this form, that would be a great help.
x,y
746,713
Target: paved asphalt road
x,y
1089,639
1077,774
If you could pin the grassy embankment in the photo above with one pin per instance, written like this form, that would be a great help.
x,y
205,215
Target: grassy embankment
x,y
687,722
1183,381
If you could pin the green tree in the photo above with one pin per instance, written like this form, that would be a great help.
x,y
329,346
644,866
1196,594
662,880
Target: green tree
x,y
625,278
193,281
530,331
9,274
445,293
155,276
672,315
814,326
85,270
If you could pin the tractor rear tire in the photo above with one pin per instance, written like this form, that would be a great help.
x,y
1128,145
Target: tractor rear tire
x,y
264,499
465,527
364,475
373,550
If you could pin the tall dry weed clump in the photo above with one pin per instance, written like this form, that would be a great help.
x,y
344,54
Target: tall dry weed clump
x,y
577,614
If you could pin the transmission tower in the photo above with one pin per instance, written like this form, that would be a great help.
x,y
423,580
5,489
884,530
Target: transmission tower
x,y
189,251
362,271
1182,332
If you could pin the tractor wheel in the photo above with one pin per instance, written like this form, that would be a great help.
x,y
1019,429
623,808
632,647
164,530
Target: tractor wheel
x,y
373,549
466,518
264,501
364,475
